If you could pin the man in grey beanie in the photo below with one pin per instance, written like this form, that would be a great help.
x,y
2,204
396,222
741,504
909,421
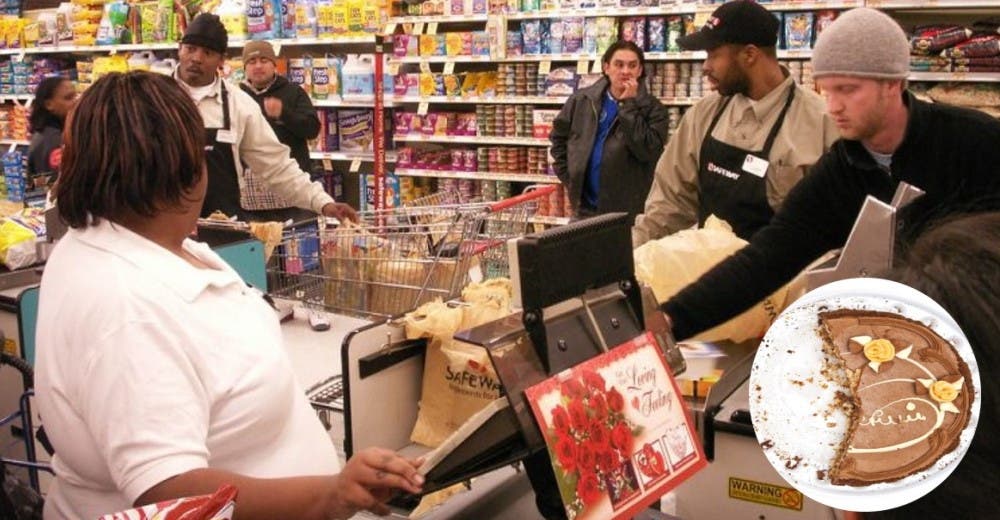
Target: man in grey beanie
x,y
888,136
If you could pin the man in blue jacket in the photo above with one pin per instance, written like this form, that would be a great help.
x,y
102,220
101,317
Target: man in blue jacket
x,y
608,137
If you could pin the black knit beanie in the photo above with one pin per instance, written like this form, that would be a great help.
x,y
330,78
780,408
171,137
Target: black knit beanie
x,y
206,30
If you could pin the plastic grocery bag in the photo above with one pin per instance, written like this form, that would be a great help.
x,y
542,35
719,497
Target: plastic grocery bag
x,y
671,263
217,506
17,244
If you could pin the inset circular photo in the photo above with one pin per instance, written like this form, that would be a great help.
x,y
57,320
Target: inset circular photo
x,y
864,394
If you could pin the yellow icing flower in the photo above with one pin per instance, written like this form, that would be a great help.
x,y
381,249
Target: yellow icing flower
x,y
880,350
943,391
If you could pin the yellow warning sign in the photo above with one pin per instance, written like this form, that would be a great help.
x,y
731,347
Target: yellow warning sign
x,y
764,493
10,347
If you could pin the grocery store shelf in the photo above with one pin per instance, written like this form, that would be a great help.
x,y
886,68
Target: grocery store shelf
x,y
604,11
992,77
687,8
483,176
346,40
17,142
812,6
550,221
931,4
438,18
440,59
16,97
88,48
684,101
350,156
350,102
571,57
479,100
173,45
472,139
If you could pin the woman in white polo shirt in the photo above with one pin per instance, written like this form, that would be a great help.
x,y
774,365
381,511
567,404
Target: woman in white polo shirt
x,y
159,373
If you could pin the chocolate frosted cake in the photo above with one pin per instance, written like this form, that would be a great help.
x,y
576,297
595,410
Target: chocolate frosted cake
x,y
911,391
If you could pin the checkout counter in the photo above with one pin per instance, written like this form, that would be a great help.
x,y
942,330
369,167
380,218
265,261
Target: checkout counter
x,y
382,374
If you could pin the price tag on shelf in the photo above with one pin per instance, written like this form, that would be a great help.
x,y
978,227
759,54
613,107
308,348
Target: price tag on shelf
x,y
328,165
425,67
422,108
12,147
432,28
390,28
596,68
544,67
449,67
582,67
355,165
418,28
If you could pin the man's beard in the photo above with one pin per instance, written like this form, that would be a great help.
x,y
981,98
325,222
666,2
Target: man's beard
x,y
736,82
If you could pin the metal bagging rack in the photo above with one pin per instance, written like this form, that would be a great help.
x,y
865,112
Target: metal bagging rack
x,y
393,260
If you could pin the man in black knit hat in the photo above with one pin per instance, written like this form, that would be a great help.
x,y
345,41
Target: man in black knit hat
x,y
237,134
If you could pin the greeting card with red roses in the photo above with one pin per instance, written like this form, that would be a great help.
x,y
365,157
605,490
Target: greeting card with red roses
x,y
618,432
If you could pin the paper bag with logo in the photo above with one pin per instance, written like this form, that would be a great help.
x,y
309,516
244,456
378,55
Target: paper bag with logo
x,y
671,263
487,301
459,379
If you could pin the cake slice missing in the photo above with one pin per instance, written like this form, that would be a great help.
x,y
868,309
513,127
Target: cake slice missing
x,y
912,395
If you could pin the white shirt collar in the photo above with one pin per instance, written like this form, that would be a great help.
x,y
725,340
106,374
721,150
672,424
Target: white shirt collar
x,y
173,272
766,105
200,93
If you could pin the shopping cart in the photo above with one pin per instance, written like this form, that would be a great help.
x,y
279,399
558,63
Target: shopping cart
x,y
18,499
395,259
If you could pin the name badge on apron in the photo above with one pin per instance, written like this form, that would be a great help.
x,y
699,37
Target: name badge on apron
x,y
755,165
225,135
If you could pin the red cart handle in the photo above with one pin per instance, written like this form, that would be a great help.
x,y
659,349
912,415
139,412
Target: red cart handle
x,y
533,194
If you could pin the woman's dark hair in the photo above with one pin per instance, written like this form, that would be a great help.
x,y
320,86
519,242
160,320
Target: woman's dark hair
x,y
957,263
134,144
625,45
40,116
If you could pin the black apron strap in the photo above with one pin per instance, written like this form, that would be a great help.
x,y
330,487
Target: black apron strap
x,y
766,152
718,115
225,106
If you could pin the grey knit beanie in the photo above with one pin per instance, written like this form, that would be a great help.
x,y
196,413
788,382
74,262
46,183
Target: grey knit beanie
x,y
862,42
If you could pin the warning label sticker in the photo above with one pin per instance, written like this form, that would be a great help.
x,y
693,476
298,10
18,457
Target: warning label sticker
x,y
764,493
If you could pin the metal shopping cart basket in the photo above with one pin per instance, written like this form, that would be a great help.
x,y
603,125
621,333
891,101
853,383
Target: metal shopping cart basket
x,y
393,260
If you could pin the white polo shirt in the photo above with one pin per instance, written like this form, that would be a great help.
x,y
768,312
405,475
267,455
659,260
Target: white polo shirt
x,y
148,367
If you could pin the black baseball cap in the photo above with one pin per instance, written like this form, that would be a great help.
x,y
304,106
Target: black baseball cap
x,y
740,21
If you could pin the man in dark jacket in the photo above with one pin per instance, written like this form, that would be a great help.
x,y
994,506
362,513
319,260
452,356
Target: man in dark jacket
x,y
608,137
861,63
287,108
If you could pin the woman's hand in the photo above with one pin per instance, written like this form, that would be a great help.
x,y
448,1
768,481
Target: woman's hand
x,y
370,478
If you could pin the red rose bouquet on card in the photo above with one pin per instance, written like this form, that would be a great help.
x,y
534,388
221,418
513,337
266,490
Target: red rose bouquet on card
x,y
592,443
